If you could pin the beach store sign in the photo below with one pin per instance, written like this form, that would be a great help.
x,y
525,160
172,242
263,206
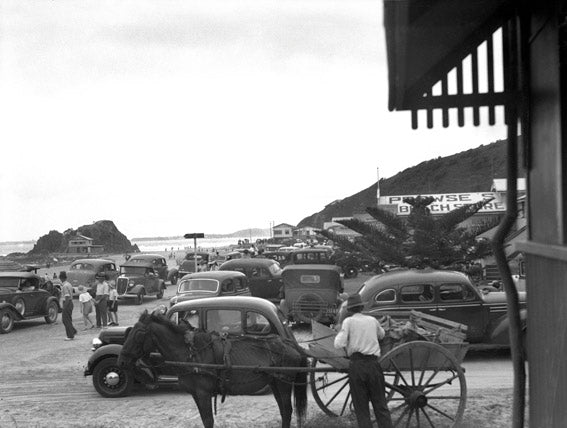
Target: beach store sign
x,y
446,202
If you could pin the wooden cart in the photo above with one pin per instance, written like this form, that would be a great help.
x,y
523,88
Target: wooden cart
x,y
421,359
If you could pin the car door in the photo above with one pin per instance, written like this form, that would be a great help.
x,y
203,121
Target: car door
x,y
30,298
152,281
459,303
262,284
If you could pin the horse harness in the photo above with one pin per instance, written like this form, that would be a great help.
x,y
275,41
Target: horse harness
x,y
221,347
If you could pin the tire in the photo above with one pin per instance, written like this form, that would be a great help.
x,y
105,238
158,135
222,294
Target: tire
x,y
174,279
6,321
110,380
139,298
52,312
159,295
351,272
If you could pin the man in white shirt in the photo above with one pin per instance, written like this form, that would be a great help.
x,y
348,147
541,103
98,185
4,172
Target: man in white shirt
x,y
101,300
359,335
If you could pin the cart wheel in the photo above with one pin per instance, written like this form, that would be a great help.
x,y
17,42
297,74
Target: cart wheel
x,y
331,390
425,385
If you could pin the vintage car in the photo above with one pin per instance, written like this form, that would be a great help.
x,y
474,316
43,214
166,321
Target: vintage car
x,y
282,257
23,296
83,272
188,264
211,284
160,266
446,294
312,292
240,315
138,279
264,276
311,256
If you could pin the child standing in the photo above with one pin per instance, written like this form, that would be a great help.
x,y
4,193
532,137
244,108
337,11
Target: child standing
x,y
113,304
86,301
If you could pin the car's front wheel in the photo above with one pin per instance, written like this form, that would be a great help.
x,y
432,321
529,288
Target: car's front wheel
x,y
6,321
159,294
110,380
52,311
139,298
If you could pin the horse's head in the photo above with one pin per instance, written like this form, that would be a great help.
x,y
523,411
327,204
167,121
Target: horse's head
x,y
139,341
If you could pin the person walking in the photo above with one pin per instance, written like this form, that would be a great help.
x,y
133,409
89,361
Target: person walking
x,y
359,335
112,303
87,302
101,299
67,315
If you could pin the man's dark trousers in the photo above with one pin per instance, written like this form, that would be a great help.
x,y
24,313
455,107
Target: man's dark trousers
x,y
366,380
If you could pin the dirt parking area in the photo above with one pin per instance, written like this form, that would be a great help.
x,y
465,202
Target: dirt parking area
x,y
43,386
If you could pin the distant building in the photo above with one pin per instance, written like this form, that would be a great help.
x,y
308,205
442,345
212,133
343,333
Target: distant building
x,y
305,233
81,244
282,231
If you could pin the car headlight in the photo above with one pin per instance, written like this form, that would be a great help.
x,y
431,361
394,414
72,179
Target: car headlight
x,y
97,343
131,284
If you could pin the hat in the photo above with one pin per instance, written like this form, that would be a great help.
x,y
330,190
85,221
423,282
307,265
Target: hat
x,y
100,275
81,288
63,275
354,301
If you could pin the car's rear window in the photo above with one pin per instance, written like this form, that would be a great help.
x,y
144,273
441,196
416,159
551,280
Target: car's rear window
x,y
198,284
82,266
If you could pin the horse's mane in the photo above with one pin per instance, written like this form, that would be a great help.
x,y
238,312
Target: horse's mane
x,y
147,317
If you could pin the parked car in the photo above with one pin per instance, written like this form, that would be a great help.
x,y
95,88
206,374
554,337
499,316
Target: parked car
x,y
22,297
188,264
241,315
138,279
446,294
352,263
211,284
159,264
282,257
83,272
311,256
312,292
264,276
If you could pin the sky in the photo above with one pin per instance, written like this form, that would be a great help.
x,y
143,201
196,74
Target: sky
x,y
178,116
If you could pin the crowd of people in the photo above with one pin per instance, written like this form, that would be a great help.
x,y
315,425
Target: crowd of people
x,y
102,299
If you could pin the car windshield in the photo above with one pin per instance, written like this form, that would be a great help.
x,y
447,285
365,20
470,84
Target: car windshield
x,y
198,284
9,282
136,270
82,266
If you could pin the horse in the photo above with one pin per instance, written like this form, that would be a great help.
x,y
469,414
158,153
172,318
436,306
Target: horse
x,y
183,343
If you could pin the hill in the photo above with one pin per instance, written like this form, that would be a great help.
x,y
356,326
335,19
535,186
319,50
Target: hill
x,y
103,232
469,171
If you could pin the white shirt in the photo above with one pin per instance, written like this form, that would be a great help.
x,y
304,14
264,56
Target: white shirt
x,y
85,297
360,333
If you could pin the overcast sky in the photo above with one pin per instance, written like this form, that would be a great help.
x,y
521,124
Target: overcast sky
x,y
176,116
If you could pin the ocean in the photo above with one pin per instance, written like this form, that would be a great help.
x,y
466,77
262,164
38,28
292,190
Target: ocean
x,y
148,245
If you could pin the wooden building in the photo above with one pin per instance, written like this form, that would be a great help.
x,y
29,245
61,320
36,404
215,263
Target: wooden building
x,y
427,44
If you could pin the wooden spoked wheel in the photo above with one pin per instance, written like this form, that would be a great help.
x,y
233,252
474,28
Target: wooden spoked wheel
x,y
425,385
330,390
